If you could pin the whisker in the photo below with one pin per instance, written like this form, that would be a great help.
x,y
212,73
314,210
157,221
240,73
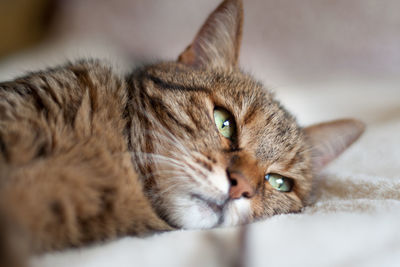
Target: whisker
x,y
161,158
174,185
161,172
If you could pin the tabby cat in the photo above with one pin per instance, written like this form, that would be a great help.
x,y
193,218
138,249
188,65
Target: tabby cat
x,y
87,155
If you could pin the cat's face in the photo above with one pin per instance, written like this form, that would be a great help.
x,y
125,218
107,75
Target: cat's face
x,y
218,149
221,145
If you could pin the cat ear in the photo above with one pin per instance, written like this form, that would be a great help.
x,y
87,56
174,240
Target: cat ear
x,y
329,139
217,43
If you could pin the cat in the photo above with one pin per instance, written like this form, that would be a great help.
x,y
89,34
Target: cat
x,y
87,155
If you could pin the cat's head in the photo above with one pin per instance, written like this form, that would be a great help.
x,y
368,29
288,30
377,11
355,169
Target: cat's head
x,y
222,150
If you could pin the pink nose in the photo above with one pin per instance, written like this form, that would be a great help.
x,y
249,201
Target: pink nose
x,y
240,186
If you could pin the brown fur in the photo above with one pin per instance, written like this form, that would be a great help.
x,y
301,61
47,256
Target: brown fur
x,y
72,178
87,155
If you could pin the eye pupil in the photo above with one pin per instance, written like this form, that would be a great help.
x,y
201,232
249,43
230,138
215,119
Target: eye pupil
x,y
225,124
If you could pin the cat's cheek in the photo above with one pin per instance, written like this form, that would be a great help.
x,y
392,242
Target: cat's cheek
x,y
259,209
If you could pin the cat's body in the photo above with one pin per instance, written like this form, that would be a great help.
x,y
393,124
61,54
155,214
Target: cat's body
x,y
87,155
65,157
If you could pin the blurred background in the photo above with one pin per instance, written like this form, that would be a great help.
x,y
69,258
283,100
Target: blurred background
x,y
290,45
296,38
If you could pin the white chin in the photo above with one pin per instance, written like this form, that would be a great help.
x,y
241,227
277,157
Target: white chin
x,y
199,217
190,214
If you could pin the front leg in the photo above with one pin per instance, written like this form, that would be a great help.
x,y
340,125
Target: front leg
x,y
85,195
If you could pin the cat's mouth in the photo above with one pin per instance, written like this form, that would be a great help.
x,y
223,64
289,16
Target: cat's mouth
x,y
218,208
227,212
203,211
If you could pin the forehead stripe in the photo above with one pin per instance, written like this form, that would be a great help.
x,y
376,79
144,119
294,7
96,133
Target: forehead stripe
x,y
174,86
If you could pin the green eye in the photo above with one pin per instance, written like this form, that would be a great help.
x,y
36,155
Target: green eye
x,y
224,122
279,182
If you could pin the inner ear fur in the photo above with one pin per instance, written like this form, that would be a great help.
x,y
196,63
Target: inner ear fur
x,y
329,139
217,44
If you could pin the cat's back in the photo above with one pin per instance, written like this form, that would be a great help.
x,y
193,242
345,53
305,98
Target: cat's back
x,y
47,112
